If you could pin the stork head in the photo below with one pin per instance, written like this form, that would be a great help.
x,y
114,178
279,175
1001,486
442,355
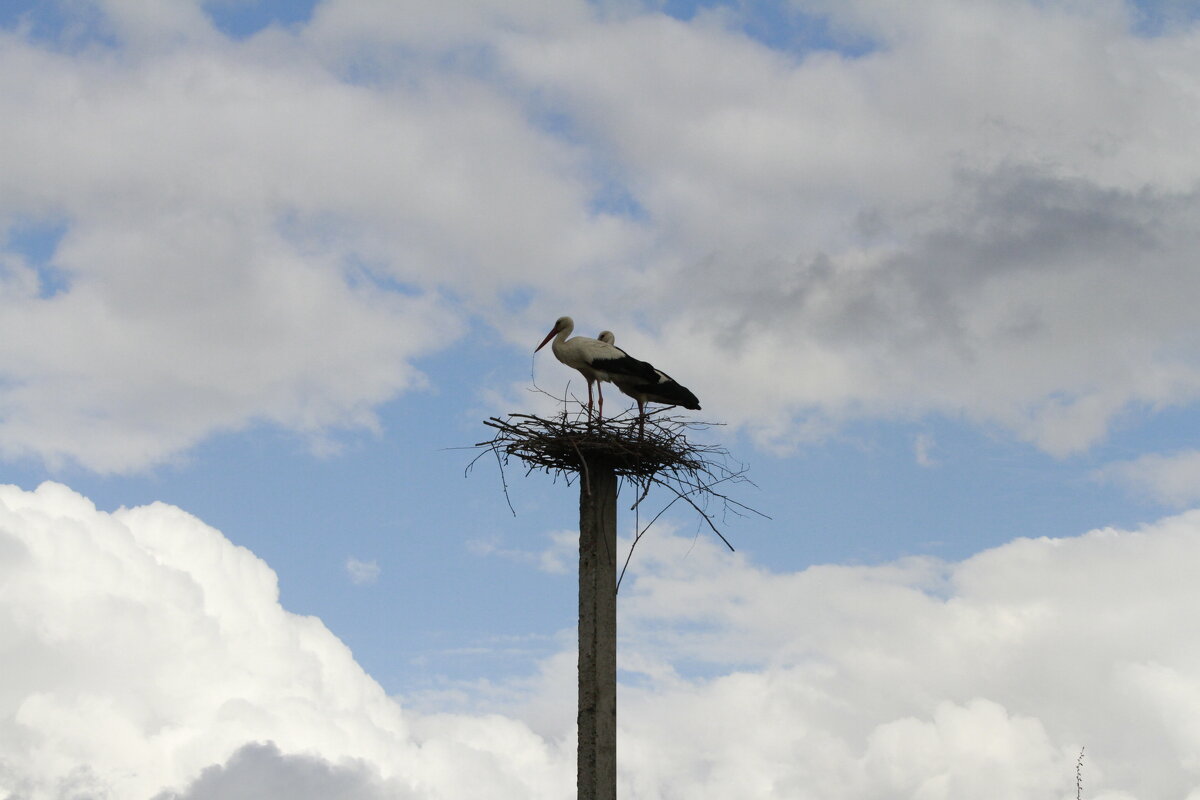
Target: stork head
x,y
562,324
607,337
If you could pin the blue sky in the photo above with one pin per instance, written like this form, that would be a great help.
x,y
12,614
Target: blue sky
x,y
931,268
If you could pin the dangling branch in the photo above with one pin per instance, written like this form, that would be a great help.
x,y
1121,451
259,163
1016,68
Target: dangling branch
x,y
639,532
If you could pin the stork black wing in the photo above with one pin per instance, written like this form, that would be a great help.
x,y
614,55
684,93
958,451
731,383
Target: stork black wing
x,y
626,366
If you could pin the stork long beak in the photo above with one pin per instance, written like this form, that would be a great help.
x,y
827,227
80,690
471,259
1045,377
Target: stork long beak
x,y
549,336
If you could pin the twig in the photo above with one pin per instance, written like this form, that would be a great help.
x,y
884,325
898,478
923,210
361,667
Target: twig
x,y
1079,775
638,533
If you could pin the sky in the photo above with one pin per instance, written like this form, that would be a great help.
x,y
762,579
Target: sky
x,y
266,268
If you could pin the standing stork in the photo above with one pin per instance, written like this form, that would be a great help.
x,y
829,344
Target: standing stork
x,y
596,360
661,388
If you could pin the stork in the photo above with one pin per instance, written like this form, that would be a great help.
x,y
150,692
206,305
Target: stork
x,y
596,360
661,388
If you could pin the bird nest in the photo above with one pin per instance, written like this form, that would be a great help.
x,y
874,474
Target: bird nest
x,y
652,452
564,445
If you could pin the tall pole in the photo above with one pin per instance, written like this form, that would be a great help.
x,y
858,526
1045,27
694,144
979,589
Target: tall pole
x,y
597,775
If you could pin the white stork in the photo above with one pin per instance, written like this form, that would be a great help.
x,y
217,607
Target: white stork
x,y
596,360
661,388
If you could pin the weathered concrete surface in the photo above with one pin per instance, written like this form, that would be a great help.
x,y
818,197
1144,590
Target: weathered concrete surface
x,y
597,776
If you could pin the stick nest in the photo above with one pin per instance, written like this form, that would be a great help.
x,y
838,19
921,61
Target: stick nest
x,y
660,455
568,445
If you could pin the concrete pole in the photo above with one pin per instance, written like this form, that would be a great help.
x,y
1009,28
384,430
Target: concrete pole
x,y
597,776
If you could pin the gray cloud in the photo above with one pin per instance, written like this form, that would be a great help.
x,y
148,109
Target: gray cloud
x,y
1048,304
977,217
1034,292
1172,479
259,770
990,214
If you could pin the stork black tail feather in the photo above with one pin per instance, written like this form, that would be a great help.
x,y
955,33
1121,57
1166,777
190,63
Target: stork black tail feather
x,y
671,393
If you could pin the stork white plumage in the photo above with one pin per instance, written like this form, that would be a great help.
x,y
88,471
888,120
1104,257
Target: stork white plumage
x,y
643,388
599,360
594,359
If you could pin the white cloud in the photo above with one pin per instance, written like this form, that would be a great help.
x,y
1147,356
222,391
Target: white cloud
x,y
922,678
142,647
249,237
1171,479
147,655
362,572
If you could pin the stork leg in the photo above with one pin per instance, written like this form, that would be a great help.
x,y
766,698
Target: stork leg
x,y
641,418
600,391
589,383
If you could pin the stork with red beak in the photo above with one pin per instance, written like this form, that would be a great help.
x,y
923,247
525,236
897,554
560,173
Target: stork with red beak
x,y
595,360
600,361
662,388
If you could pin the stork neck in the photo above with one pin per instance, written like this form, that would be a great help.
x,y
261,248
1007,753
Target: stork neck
x,y
561,338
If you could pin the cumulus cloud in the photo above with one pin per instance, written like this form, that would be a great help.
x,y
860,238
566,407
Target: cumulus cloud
x,y
145,652
920,678
148,656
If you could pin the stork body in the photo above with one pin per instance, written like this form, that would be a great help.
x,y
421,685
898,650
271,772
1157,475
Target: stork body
x,y
597,361
661,388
